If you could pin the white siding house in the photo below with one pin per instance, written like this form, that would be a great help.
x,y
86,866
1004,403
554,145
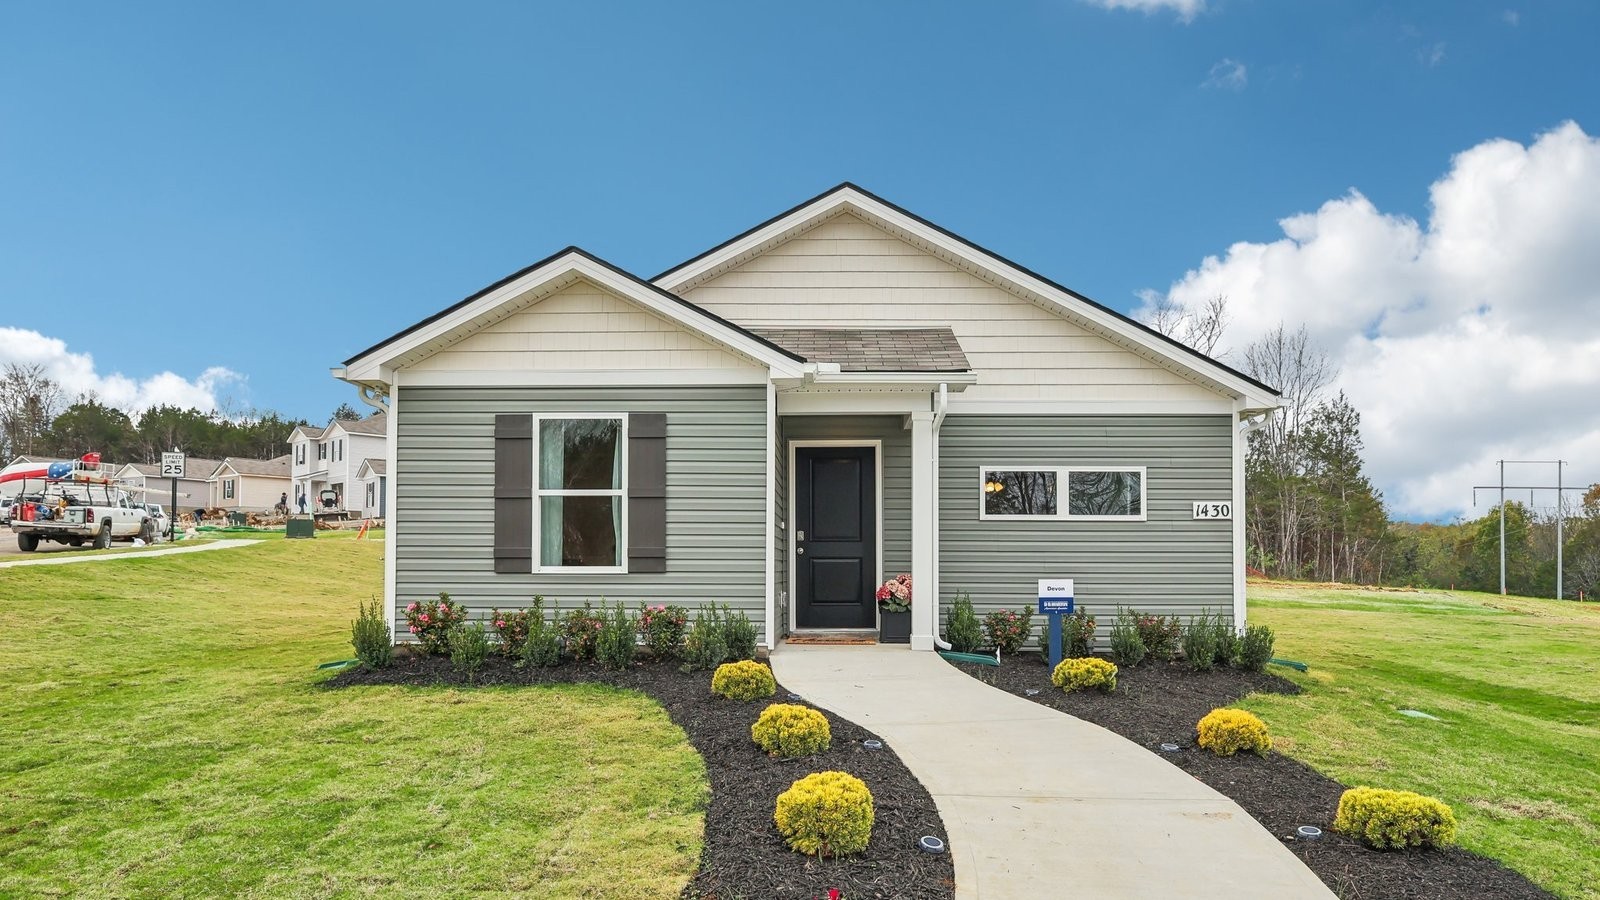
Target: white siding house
x,y
331,458
248,485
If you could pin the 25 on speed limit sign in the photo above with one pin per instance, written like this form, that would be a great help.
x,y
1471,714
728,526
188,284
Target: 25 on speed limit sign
x,y
1216,509
172,465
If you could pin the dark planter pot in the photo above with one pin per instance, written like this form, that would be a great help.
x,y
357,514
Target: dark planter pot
x,y
894,627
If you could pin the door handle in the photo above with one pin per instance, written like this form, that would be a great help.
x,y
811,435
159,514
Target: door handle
x,y
799,551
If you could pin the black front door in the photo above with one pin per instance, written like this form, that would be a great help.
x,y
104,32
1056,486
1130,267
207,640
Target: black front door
x,y
835,537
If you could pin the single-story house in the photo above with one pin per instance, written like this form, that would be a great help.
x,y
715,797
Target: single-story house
x,y
248,485
842,393
193,489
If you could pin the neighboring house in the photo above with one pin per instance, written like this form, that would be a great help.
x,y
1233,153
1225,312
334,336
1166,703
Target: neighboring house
x,y
374,486
248,485
331,458
843,393
193,489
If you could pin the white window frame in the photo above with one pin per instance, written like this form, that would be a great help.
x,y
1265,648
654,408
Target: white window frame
x,y
227,489
621,493
1063,486
322,450
338,447
300,453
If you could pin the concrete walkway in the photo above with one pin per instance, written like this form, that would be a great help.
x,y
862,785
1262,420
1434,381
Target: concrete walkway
x,y
1041,804
66,559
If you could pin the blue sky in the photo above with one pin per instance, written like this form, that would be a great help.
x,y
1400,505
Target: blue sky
x,y
273,188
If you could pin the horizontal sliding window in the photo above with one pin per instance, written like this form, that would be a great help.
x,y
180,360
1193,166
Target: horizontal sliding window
x,y
1062,492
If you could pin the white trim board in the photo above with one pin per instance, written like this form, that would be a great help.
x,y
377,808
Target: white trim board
x,y
877,455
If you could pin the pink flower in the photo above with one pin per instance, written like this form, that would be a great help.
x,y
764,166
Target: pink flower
x,y
423,618
413,629
501,623
411,608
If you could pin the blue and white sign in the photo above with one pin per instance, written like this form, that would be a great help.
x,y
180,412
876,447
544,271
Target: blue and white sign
x,y
1055,596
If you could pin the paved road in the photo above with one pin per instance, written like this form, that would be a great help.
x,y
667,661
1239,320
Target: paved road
x,y
54,556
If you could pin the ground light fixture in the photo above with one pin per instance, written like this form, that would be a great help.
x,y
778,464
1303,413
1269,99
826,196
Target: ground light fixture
x,y
1308,833
1031,692
871,744
793,696
1170,748
930,844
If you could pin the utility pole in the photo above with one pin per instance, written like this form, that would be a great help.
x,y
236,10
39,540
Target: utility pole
x,y
1561,514
1502,528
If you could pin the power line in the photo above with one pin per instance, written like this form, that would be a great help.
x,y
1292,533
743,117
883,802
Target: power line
x,y
1561,510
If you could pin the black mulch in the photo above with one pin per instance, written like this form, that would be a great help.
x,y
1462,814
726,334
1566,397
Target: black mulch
x,y
1160,702
744,857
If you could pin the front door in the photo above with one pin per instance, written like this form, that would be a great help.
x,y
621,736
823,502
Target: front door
x,y
835,537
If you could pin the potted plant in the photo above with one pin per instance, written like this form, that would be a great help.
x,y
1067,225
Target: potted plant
x,y
894,610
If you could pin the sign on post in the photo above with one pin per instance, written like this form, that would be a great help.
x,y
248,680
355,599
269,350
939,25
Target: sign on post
x,y
172,465
1055,601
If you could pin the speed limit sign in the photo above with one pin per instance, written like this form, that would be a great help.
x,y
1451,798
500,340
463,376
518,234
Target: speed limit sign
x,y
172,465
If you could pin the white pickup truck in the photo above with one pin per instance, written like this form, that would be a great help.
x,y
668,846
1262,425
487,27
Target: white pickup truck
x,y
88,515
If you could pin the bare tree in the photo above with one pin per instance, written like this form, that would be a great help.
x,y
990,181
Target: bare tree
x,y
29,400
1200,328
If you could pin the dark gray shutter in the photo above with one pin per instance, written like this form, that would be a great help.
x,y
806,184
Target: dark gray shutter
x,y
647,492
513,493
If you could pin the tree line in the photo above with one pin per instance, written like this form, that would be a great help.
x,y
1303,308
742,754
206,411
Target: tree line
x,y
1312,512
37,420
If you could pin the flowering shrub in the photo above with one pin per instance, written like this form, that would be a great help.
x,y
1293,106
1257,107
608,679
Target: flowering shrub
x,y
1160,635
1077,634
432,622
1081,673
789,729
1227,731
580,629
894,595
1394,820
1009,630
512,627
826,814
663,628
743,680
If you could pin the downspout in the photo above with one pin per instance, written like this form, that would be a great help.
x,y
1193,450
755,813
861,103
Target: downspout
x,y
941,406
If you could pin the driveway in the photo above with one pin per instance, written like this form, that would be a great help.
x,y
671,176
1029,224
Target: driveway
x,y
1038,803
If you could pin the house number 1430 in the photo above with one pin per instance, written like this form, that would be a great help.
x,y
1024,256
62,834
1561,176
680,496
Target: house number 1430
x,y
1223,510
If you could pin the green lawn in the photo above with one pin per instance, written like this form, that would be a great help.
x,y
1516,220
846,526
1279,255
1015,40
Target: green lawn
x,y
1514,682
162,734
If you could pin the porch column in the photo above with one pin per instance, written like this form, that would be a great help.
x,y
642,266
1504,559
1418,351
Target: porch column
x,y
925,605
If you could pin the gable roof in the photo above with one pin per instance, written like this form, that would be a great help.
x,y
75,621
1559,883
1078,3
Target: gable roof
x,y
192,465
559,270
277,467
377,423
875,349
1109,323
311,432
372,465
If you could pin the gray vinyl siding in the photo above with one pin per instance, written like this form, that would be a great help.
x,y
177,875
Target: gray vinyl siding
x,y
1168,564
896,467
716,497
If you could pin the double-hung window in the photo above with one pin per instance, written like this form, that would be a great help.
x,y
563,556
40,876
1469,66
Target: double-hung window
x,y
300,453
322,450
227,489
1098,493
580,467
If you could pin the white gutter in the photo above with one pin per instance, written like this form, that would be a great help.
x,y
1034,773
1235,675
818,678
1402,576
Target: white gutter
x,y
941,406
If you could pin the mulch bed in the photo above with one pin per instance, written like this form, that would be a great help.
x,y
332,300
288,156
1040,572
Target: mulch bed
x,y
743,855
1160,702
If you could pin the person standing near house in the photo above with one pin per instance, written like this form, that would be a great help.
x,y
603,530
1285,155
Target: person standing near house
x,y
302,501
283,504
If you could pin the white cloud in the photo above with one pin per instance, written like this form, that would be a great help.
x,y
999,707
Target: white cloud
x,y
1511,17
76,373
1228,74
1431,56
1186,9
1469,338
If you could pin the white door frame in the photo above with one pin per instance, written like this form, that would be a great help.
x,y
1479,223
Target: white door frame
x,y
877,456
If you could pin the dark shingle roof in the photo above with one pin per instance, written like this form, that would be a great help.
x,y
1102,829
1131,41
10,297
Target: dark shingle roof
x,y
874,349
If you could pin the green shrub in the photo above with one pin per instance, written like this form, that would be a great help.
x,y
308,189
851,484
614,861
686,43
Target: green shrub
x,y
1127,648
1077,634
618,640
1161,635
1227,731
739,634
580,631
432,623
1084,672
826,814
469,647
962,630
706,645
369,634
1255,649
663,628
1200,643
542,647
511,626
1227,641
1008,630
743,680
789,729
1394,820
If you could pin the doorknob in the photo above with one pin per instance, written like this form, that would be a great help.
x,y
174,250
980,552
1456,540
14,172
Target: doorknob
x,y
799,551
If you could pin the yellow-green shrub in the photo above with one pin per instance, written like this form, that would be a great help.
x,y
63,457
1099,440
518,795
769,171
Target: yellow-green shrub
x,y
789,729
826,814
1227,731
743,680
1394,820
1084,672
